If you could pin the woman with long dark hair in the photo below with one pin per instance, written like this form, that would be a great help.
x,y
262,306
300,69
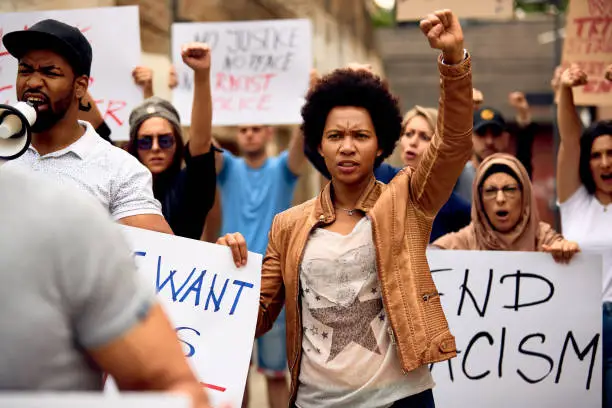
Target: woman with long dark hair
x,y
584,190
363,315
156,139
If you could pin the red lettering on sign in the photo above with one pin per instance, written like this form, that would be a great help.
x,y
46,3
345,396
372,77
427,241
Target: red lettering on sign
x,y
245,103
592,27
6,88
263,102
598,86
242,103
243,83
112,108
213,387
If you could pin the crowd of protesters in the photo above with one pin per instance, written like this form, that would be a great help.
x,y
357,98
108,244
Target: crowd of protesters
x,y
329,289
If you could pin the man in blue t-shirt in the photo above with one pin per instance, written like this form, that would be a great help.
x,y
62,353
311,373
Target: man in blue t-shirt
x,y
254,188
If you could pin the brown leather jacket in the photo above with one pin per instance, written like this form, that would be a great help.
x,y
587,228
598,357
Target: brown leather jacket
x,y
402,214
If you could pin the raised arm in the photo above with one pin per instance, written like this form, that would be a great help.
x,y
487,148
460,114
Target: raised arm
x,y
451,146
143,77
197,57
526,130
570,128
212,225
297,158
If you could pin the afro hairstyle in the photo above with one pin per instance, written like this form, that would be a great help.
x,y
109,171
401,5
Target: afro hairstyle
x,y
601,128
357,88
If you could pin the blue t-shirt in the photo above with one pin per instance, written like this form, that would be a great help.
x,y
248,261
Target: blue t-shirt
x,y
385,172
252,197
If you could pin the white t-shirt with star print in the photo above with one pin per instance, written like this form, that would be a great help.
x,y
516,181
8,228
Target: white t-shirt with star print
x,y
348,359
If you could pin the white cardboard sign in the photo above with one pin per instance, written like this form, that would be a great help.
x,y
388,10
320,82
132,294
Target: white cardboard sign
x,y
212,304
114,35
528,330
259,73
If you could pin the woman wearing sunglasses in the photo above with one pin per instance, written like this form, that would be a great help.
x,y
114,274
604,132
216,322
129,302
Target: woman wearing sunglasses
x,y
505,215
186,194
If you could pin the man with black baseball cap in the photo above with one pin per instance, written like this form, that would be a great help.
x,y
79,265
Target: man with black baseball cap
x,y
490,135
92,312
54,68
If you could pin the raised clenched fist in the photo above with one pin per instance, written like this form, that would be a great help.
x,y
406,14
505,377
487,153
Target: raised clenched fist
x,y
143,76
555,82
172,78
444,33
573,76
357,66
313,78
196,56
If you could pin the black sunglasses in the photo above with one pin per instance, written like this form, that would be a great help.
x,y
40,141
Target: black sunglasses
x,y
163,141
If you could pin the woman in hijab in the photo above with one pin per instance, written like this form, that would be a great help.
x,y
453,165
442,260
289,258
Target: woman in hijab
x,y
505,215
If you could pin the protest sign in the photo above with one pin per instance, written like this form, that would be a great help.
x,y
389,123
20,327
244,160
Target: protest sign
x,y
92,400
259,73
415,10
212,304
114,35
588,43
527,329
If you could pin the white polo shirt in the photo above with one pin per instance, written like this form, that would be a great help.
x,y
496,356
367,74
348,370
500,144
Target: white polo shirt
x,y
113,176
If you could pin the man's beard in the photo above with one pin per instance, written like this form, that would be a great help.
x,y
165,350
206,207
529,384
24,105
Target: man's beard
x,y
55,112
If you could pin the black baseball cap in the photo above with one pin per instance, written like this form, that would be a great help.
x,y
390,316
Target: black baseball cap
x,y
64,39
488,117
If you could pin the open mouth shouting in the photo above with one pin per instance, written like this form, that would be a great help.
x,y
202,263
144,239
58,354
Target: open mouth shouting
x,y
39,100
502,215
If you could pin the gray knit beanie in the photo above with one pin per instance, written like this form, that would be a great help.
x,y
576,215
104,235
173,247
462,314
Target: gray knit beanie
x,y
151,108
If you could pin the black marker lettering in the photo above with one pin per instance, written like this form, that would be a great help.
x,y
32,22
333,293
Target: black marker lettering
x,y
522,350
464,289
518,276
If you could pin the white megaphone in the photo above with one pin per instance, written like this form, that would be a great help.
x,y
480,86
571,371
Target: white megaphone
x,y
15,131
